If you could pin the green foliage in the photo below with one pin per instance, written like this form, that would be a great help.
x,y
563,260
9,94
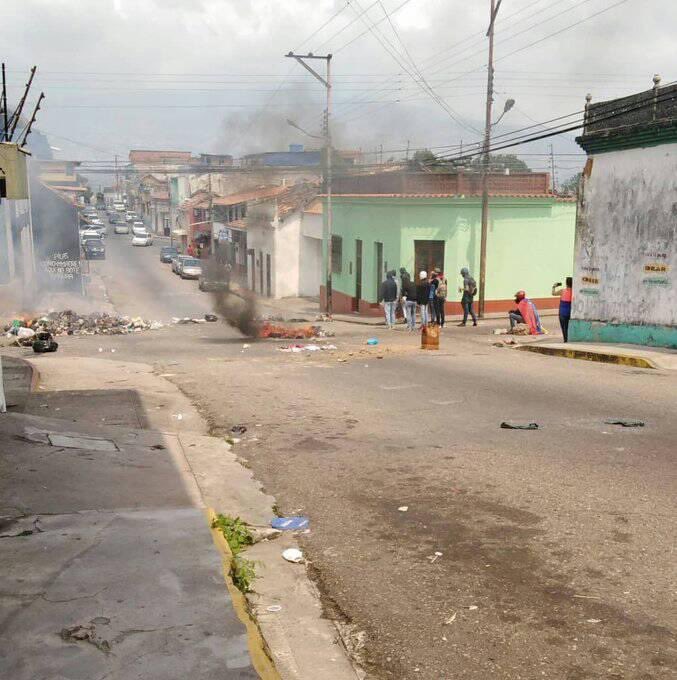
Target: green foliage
x,y
501,161
243,573
570,186
235,531
238,536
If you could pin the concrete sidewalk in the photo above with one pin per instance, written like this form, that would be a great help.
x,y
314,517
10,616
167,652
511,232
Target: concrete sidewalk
x,y
626,355
108,568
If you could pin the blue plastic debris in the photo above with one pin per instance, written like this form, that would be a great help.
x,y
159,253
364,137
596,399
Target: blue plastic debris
x,y
372,341
290,523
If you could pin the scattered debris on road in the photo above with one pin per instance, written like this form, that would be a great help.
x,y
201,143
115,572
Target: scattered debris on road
x,y
306,348
274,608
295,523
450,620
625,423
519,426
238,429
403,508
293,555
372,341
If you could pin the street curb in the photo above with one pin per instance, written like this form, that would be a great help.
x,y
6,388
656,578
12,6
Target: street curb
x,y
600,357
258,649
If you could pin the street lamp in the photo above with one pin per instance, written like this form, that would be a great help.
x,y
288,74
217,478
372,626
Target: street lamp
x,y
509,103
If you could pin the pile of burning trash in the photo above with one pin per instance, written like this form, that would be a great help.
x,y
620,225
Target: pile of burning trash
x,y
68,322
271,330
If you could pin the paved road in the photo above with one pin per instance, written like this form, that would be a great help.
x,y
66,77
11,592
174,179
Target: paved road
x,y
557,546
140,285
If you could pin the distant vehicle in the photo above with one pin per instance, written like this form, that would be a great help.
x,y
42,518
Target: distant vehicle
x,y
101,228
96,221
142,239
191,268
139,228
90,210
121,228
94,249
89,235
177,260
117,219
214,277
120,207
131,216
167,253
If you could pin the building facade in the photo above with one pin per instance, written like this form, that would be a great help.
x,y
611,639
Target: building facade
x,y
625,289
529,242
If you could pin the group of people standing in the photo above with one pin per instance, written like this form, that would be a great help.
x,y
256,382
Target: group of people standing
x,y
427,295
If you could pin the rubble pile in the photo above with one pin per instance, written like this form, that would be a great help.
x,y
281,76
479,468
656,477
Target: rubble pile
x,y
68,322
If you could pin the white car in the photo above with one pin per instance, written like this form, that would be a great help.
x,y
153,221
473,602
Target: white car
x,y
89,235
191,268
139,228
121,229
142,239
96,221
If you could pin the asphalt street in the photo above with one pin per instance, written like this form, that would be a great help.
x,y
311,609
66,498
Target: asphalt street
x,y
140,285
449,547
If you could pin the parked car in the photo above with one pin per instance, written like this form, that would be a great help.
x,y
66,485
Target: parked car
x,y
167,253
142,239
214,277
191,268
121,228
101,228
94,249
118,219
90,234
139,228
90,212
131,216
177,260
120,207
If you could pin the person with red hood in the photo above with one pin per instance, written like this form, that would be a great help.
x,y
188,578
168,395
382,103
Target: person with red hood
x,y
525,313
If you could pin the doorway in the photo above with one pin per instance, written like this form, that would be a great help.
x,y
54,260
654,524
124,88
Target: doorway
x,y
358,275
428,255
378,250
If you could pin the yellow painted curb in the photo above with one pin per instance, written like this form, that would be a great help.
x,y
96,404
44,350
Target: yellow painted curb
x,y
258,650
601,357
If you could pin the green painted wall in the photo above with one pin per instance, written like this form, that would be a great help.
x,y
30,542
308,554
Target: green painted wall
x,y
529,246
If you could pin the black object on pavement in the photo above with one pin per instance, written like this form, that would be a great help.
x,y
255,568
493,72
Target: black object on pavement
x,y
238,429
625,423
211,317
519,426
44,342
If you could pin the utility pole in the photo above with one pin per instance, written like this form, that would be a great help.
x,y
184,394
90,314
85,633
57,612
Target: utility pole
x,y
495,5
407,157
212,245
552,169
117,179
327,165
4,105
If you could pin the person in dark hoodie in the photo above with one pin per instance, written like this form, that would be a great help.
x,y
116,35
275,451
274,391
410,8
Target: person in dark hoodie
x,y
388,297
469,290
409,297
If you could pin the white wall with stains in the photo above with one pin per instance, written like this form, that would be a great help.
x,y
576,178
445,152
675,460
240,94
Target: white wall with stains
x,y
625,259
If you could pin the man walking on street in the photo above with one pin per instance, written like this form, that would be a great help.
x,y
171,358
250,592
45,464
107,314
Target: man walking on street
x,y
388,296
469,291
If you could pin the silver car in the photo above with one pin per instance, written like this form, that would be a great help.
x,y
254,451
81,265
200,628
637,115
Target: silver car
x,y
191,268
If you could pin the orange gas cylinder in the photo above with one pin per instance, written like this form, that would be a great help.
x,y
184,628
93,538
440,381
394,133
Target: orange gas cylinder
x,y
430,337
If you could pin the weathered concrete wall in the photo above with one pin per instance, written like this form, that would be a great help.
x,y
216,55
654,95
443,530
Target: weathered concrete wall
x,y
625,257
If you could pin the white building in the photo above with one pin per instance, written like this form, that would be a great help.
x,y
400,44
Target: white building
x,y
284,244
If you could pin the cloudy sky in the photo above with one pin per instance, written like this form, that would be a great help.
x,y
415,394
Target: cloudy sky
x,y
209,75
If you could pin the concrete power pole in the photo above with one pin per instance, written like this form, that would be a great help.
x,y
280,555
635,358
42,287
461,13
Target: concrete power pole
x,y
212,245
495,5
552,169
327,162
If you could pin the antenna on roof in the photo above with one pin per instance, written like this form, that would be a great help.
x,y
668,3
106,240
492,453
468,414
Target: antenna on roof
x,y
17,112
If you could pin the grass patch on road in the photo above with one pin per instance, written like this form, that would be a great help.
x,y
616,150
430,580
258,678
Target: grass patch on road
x,y
238,536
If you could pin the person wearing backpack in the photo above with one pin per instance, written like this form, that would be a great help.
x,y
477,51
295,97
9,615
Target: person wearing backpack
x,y
440,298
469,291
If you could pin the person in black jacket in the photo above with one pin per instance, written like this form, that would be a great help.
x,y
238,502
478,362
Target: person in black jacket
x,y
409,300
422,296
388,297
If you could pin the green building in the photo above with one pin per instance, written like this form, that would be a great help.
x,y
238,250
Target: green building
x,y
529,243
